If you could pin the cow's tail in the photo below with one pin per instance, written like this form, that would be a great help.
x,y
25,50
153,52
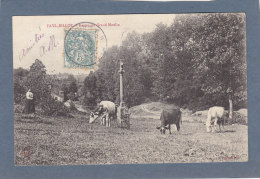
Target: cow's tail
x,y
116,110
161,119
181,117
181,111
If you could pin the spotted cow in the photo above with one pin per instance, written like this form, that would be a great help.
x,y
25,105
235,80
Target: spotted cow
x,y
105,110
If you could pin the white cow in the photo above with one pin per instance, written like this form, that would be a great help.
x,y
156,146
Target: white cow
x,y
105,110
215,115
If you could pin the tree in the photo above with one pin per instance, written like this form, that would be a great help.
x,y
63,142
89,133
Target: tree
x,y
199,57
90,90
65,90
73,87
71,78
221,41
20,72
19,89
36,81
198,61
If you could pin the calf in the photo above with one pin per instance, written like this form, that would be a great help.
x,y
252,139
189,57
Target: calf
x,y
215,116
168,117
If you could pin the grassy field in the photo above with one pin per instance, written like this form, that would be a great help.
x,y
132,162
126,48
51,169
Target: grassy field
x,y
73,141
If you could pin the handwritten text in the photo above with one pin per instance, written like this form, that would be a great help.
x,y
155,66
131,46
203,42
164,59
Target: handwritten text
x,y
25,51
50,47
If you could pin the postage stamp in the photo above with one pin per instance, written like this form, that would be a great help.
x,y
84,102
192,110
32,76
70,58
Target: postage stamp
x,y
84,44
80,48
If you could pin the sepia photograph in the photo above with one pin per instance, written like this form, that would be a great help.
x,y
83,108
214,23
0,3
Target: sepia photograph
x,y
130,89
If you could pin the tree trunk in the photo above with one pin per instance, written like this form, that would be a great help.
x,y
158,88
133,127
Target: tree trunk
x,y
230,106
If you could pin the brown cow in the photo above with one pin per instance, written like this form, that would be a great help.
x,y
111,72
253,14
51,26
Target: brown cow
x,y
168,117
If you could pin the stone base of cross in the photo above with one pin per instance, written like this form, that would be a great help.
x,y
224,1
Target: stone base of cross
x,y
123,117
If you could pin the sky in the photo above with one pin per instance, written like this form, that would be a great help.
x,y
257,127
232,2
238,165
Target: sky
x,y
42,37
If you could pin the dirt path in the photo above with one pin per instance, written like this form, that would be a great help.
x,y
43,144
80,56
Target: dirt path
x,y
145,109
80,107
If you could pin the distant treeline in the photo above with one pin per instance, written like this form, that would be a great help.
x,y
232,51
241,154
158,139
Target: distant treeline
x,y
196,62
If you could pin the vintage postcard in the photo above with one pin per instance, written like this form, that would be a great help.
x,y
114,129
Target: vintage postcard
x,y
130,89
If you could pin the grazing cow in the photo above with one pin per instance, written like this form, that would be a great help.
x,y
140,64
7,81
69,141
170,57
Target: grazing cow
x,y
168,117
105,110
215,115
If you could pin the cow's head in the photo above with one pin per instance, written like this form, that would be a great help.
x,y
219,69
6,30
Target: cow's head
x,y
97,112
93,117
162,129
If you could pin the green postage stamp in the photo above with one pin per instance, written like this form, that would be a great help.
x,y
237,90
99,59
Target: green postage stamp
x,y
80,48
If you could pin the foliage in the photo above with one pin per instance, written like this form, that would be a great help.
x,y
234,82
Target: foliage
x,y
52,107
90,91
237,119
72,96
37,82
192,63
18,108
19,89
73,87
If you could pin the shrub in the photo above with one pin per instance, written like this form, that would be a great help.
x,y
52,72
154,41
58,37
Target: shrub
x,y
237,119
51,107
18,108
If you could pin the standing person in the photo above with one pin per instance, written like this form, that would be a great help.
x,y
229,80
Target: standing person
x,y
29,104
